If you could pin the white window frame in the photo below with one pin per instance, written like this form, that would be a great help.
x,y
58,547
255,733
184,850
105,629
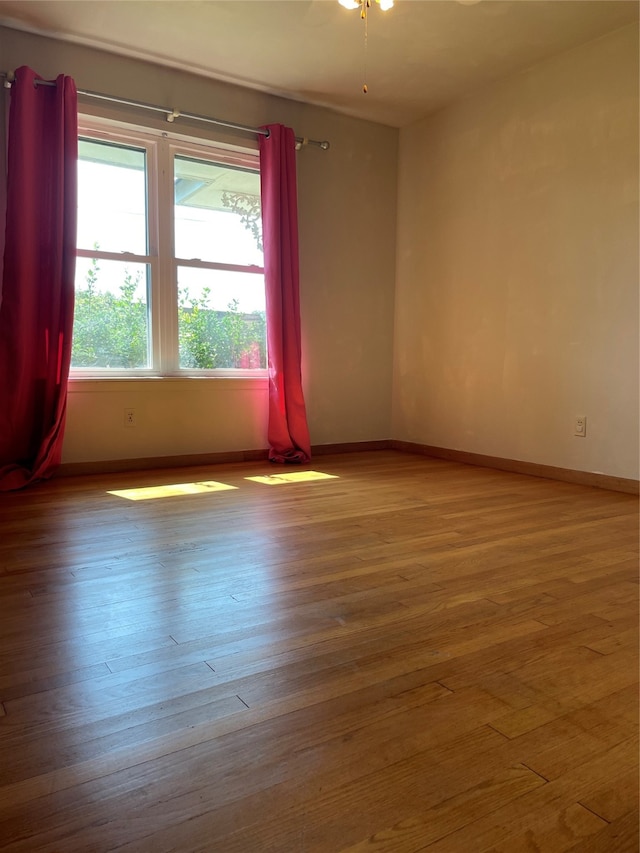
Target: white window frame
x,y
161,147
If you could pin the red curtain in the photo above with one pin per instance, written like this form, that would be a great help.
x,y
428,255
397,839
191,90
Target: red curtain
x,y
288,433
36,313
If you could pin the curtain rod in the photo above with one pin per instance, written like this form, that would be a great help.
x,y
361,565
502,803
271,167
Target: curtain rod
x,y
172,115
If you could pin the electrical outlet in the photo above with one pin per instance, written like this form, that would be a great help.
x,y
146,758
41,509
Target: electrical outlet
x,y
129,417
580,427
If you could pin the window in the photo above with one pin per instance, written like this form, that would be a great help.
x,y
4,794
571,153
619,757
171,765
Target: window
x,y
169,275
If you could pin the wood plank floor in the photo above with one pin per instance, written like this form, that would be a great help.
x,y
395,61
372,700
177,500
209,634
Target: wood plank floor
x,y
409,655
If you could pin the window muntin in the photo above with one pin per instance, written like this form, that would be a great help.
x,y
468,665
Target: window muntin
x,y
162,194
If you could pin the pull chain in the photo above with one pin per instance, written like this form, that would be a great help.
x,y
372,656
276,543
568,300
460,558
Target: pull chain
x,y
366,4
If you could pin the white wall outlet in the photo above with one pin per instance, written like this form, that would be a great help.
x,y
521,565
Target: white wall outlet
x,y
129,417
580,427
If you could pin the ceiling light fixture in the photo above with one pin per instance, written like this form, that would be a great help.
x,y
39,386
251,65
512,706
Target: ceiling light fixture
x,y
364,6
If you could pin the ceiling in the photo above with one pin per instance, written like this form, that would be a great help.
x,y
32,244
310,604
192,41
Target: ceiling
x,y
421,55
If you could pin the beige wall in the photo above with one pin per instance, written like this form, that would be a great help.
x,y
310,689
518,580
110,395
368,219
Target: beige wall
x,y
346,200
517,266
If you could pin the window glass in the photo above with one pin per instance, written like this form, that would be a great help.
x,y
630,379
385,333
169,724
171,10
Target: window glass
x,y
112,206
111,325
217,213
221,319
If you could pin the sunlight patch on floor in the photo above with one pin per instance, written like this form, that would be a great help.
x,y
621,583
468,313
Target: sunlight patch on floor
x,y
294,477
147,493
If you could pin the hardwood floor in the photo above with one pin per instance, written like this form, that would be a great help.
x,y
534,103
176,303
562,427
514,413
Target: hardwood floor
x,y
411,655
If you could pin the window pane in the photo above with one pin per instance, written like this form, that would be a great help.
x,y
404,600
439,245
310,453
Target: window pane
x,y
111,320
112,197
217,213
221,319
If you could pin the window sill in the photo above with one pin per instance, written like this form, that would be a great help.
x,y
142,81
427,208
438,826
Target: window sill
x,y
184,381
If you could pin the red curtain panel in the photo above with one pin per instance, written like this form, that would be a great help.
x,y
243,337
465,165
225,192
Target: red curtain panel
x,y
36,313
288,433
